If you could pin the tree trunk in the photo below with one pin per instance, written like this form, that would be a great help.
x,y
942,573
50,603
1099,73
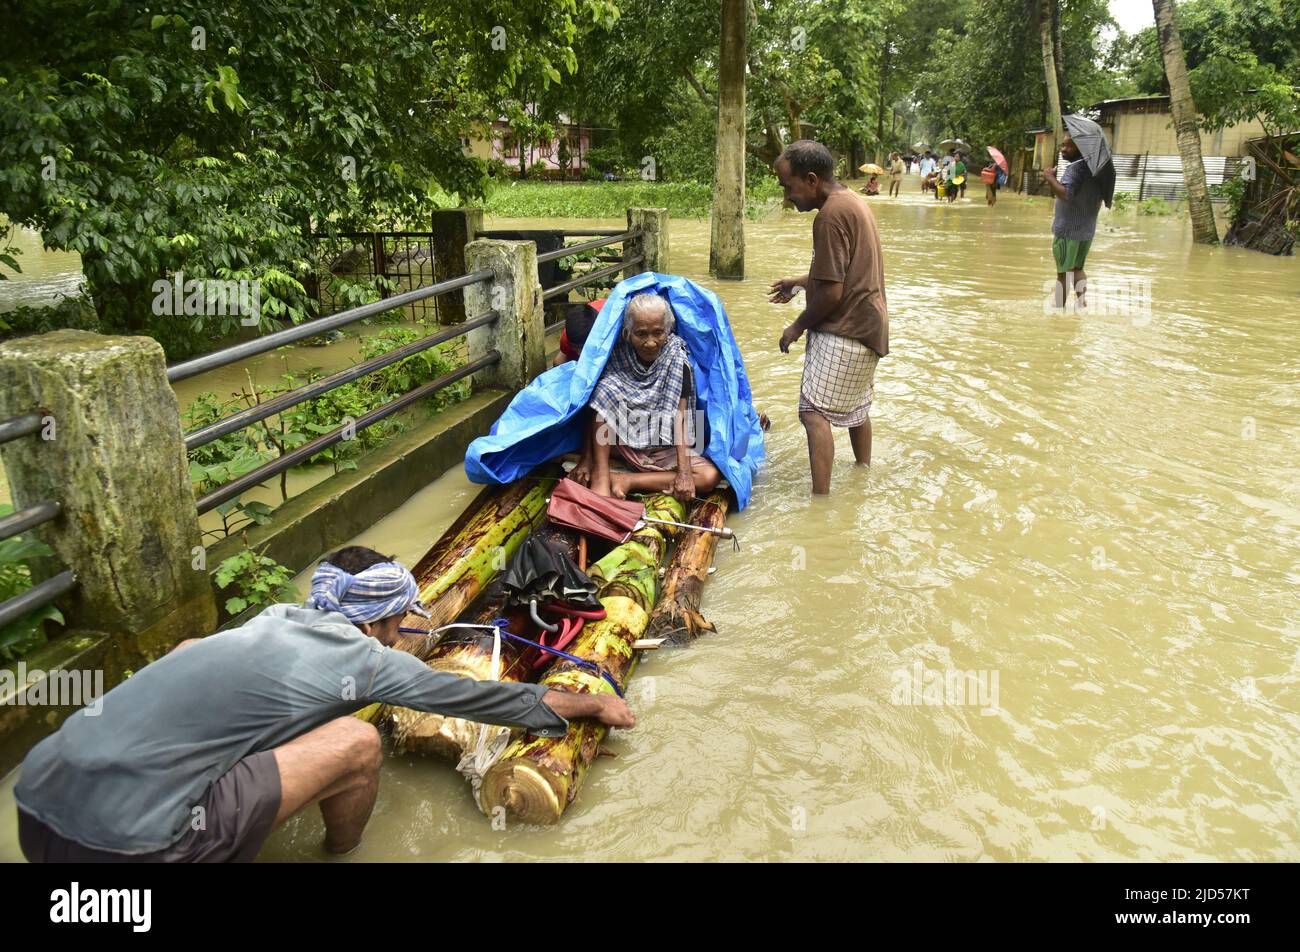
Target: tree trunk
x,y
1046,14
538,777
880,107
677,613
467,653
727,238
1184,111
1058,58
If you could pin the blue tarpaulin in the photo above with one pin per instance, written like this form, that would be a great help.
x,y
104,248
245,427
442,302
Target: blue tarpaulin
x,y
542,420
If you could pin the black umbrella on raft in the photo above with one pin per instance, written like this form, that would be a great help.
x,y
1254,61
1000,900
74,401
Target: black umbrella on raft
x,y
540,572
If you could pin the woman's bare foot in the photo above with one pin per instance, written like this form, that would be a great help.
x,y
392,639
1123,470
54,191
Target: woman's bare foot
x,y
618,484
600,484
581,473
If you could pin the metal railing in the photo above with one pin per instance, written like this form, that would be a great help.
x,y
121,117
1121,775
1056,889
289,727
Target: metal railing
x,y
305,452
320,325
236,421
214,431
29,517
605,240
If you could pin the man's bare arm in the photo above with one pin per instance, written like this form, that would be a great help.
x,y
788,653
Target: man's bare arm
x,y
823,298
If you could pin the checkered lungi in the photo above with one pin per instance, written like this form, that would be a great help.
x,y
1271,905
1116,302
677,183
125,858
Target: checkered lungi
x,y
839,375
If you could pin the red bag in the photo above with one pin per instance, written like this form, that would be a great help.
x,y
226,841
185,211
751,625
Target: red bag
x,y
576,507
989,176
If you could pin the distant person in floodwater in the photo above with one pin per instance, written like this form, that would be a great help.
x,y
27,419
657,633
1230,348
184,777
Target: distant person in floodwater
x,y
873,185
846,318
956,177
926,169
990,177
1079,196
198,756
896,171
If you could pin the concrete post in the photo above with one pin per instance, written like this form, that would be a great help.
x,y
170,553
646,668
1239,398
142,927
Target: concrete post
x,y
516,295
116,462
653,242
453,229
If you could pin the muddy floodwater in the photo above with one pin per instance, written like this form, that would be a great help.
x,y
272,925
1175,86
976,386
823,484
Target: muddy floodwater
x,y
1057,618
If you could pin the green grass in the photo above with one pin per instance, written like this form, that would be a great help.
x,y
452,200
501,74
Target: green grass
x,y
612,199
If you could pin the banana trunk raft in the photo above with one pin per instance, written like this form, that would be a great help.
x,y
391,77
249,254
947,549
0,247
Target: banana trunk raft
x,y
676,616
471,553
467,652
536,778
457,568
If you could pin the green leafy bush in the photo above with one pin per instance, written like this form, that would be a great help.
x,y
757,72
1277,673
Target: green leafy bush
x,y
1123,202
256,579
1233,192
1155,205
21,636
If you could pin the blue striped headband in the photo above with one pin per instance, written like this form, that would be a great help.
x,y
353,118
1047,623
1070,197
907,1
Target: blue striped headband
x,y
378,592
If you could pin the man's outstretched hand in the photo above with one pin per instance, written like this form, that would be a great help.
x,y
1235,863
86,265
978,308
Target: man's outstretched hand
x,y
608,710
783,290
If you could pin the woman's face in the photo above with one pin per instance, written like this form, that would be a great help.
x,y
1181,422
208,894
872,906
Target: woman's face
x,y
649,333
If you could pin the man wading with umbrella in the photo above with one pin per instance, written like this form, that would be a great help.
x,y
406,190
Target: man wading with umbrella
x,y
1088,181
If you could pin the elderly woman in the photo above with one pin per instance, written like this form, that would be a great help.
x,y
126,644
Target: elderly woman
x,y
643,411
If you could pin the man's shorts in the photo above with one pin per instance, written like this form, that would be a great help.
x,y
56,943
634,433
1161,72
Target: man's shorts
x,y
1069,255
237,815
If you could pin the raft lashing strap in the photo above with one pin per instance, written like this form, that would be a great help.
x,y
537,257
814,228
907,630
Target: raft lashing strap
x,y
498,627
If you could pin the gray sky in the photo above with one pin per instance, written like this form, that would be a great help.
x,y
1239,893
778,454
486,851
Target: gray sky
x,y
1132,15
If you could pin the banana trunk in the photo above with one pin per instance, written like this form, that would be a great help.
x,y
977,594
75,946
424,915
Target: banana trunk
x,y
676,615
536,778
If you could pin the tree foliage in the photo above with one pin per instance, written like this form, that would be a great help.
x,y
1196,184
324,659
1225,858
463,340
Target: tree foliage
x,y
212,138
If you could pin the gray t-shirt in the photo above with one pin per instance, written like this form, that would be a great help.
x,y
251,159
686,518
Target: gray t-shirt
x,y
1076,219
126,780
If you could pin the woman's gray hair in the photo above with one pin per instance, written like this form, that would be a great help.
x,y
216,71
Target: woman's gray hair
x,y
648,304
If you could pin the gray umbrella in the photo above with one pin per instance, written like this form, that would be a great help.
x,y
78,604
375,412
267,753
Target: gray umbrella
x,y
1087,135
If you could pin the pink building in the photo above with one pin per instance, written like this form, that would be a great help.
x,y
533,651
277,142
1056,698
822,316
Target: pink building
x,y
502,144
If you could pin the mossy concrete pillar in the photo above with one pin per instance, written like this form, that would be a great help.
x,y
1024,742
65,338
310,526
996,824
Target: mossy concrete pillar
x,y
516,295
652,242
453,229
115,461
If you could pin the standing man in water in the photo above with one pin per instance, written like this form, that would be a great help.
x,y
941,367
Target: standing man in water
x,y
1079,195
845,316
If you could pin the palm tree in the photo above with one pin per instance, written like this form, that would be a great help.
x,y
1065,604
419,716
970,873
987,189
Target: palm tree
x,y
1184,111
727,234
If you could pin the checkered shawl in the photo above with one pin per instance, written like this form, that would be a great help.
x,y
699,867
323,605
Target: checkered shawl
x,y
639,402
371,595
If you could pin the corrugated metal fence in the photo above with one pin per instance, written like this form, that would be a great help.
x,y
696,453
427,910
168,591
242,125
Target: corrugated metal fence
x,y
1161,176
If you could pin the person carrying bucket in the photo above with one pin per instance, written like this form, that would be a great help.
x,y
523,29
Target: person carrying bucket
x,y
956,177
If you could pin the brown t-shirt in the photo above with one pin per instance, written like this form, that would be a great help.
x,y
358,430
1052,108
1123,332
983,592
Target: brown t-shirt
x,y
846,249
